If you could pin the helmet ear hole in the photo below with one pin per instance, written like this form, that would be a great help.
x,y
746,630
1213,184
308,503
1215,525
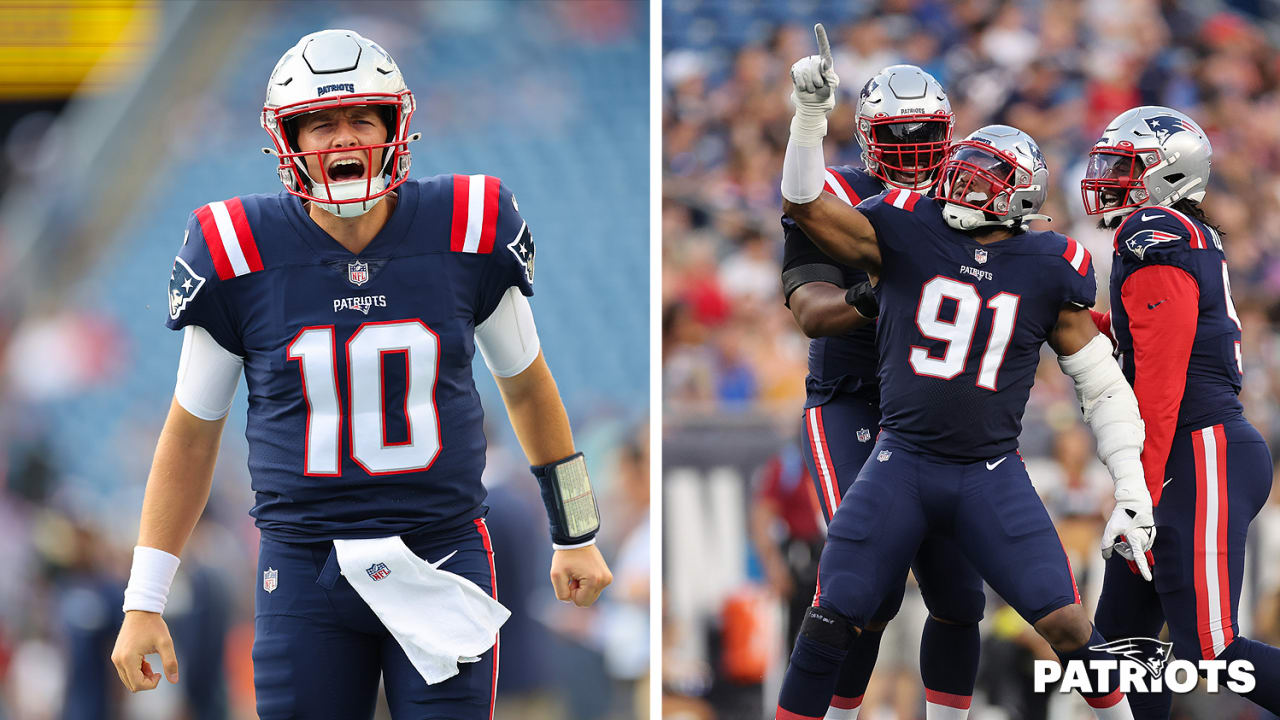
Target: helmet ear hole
x,y
1173,177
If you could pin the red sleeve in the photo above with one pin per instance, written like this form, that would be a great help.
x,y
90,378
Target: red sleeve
x,y
1103,321
1162,302
770,482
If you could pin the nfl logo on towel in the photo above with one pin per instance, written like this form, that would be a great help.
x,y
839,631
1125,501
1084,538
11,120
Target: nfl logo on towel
x,y
978,254
358,273
378,571
270,579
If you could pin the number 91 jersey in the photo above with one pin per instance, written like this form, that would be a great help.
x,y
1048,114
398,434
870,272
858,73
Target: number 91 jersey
x,y
364,419
961,325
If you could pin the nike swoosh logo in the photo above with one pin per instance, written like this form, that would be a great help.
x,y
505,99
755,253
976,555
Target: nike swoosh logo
x,y
996,464
1166,482
1153,307
1145,217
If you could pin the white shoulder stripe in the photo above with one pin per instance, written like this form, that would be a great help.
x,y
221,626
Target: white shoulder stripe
x,y
833,182
475,214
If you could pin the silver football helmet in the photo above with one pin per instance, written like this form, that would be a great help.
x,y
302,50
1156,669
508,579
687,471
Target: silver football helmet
x,y
330,69
1148,155
996,176
904,124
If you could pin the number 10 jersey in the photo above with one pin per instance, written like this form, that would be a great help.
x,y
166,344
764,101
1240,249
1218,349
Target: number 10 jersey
x,y
364,420
961,325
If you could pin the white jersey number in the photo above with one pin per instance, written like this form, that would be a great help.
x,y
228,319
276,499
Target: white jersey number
x,y
315,350
958,332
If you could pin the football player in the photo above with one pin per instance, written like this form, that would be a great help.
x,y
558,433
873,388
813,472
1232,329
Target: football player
x,y
352,302
967,297
904,124
1207,468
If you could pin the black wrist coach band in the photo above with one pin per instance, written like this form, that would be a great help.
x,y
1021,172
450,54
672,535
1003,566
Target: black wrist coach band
x,y
571,505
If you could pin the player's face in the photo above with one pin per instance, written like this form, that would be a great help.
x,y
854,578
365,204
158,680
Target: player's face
x,y
910,151
974,176
1108,166
337,128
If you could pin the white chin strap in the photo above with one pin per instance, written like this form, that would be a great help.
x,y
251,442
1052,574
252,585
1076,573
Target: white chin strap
x,y
967,218
349,190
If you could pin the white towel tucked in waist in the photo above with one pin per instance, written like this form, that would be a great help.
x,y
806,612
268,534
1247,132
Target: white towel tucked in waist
x,y
440,619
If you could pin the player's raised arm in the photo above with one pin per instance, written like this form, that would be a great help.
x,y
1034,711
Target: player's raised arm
x,y
1111,409
839,230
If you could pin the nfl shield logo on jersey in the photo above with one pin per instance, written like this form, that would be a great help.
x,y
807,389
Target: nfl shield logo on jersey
x,y
980,255
864,434
270,579
884,455
358,273
378,571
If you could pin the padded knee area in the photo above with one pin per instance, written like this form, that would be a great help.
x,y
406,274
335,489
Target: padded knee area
x,y
827,627
1067,628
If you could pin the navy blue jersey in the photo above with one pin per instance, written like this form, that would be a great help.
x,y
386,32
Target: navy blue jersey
x,y
1163,236
961,325
842,363
364,419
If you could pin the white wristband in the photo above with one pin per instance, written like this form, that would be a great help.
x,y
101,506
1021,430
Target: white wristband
x,y
149,579
575,546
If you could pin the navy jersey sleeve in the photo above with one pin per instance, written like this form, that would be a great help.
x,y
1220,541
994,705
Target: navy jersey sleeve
x,y
1075,267
803,262
511,262
1157,236
196,296
892,215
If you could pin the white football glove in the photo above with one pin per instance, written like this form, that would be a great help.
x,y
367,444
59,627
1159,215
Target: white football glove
x,y
814,93
1131,530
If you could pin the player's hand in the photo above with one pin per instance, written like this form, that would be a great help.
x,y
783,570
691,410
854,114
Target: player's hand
x,y
579,575
1131,530
814,78
142,634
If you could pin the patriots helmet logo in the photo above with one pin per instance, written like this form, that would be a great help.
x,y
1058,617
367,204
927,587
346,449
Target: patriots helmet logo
x,y
184,283
1149,652
1143,240
522,248
1165,125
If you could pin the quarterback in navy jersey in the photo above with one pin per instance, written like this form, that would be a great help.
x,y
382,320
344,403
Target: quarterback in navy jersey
x,y
353,302
1208,470
903,125
967,297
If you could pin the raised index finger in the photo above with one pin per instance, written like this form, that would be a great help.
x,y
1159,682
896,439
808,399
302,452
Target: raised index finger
x,y
824,46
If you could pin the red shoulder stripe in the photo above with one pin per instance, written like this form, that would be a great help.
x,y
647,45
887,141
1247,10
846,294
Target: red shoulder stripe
x,y
213,241
244,234
461,193
848,190
490,227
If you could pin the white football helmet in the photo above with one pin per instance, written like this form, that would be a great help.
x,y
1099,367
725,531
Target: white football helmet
x,y
904,124
996,176
330,69
1148,155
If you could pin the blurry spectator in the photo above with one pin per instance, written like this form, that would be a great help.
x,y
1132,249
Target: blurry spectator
x,y
787,532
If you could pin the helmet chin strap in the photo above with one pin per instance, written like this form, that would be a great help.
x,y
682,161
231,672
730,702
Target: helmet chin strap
x,y
966,218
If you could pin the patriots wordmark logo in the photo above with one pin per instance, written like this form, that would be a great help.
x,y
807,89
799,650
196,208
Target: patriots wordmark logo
x,y
884,455
378,571
1149,652
270,579
1141,241
184,283
358,273
1165,125
864,435
980,255
522,248
360,304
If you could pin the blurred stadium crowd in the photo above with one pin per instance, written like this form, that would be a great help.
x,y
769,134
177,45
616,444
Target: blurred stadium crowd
x,y
98,174
734,362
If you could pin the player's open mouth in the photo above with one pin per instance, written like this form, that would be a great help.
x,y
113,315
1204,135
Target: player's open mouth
x,y
346,169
